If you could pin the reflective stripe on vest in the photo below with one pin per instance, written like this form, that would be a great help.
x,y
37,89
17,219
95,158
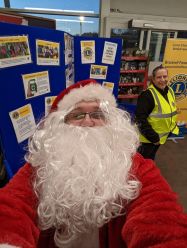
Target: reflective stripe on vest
x,y
162,123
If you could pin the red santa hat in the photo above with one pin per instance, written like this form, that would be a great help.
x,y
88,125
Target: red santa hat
x,y
86,90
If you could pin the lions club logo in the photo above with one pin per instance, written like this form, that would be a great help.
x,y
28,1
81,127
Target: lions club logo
x,y
88,52
179,85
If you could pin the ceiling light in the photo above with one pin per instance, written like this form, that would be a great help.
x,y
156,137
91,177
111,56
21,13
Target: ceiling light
x,y
69,20
148,25
63,10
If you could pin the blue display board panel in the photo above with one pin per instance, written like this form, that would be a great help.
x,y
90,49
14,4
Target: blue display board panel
x,y
12,95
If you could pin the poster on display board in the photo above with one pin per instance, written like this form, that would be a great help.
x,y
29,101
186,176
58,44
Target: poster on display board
x,y
175,60
48,103
98,71
23,122
14,50
68,48
47,52
36,84
87,51
69,59
109,53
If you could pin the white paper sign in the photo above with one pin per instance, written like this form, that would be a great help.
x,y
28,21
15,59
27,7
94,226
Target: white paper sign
x,y
23,122
109,53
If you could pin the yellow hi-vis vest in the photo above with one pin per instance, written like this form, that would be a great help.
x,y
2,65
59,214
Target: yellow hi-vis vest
x,y
164,115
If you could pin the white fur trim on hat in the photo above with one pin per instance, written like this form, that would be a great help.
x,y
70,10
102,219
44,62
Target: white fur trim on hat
x,y
86,93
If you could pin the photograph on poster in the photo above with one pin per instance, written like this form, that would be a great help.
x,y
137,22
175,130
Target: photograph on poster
x,y
36,84
23,122
87,51
98,71
14,50
47,52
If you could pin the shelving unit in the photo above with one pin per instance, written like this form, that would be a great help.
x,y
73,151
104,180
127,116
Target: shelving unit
x,y
133,78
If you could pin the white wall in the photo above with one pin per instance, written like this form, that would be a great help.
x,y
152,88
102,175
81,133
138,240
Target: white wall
x,y
166,8
172,11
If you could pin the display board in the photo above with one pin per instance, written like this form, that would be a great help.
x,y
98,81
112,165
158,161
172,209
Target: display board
x,y
36,64
19,71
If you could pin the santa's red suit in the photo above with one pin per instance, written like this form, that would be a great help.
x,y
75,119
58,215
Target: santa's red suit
x,y
154,219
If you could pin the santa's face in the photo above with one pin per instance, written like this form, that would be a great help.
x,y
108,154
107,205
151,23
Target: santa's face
x,y
86,114
83,158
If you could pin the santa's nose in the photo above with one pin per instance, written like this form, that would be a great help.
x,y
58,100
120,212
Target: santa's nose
x,y
87,121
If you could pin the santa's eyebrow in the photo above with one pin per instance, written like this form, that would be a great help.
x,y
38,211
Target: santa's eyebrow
x,y
80,109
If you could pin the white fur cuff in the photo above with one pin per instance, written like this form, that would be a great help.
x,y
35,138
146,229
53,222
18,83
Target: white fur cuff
x,y
8,246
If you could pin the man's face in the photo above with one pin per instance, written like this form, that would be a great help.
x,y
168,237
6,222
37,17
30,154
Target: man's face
x,y
161,79
80,160
86,114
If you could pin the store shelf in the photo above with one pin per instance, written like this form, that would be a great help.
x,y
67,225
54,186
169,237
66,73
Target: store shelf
x,y
131,84
133,78
128,96
132,71
131,58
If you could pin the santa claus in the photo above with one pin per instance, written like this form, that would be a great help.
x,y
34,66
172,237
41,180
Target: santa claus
x,y
85,186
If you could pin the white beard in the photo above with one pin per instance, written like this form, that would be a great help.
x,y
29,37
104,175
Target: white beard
x,y
83,176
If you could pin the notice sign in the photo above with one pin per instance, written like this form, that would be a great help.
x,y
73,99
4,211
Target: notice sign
x,y
48,103
14,50
87,51
69,48
109,53
175,60
23,122
36,84
108,85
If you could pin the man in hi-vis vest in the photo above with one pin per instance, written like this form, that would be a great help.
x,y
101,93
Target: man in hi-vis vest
x,y
156,113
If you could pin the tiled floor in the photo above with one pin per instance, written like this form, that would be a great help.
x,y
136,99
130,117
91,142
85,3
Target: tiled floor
x,y
171,158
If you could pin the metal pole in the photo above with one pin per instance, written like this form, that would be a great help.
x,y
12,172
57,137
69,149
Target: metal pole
x,y
80,28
